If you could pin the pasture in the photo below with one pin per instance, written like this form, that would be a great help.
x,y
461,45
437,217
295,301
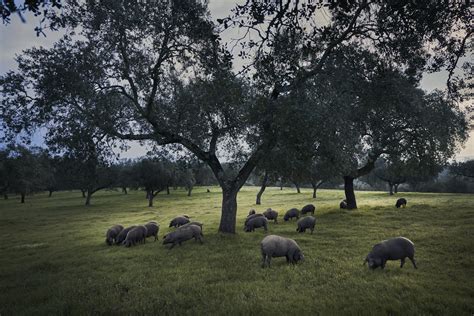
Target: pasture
x,y
54,259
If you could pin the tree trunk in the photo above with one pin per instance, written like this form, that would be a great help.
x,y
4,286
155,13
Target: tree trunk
x,y
349,191
83,193
314,189
229,210
150,196
297,187
390,188
88,198
168,190
50,193
189,191
281,187
262,189
23,197
5,196
395,187
124,190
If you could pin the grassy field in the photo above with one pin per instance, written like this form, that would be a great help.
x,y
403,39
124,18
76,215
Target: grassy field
x,y
54,259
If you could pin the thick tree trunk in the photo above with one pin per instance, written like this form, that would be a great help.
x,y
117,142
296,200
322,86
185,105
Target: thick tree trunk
x,y
124,190
229,210
349,191
189,191
168,190
5,196
88,198
23,197
390,188
83,193
262,189
50,193
395,187
281,187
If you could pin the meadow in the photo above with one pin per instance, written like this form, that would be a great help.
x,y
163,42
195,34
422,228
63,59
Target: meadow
x,y
54,259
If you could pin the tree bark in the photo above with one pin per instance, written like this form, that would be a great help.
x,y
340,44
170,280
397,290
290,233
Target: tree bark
x,y
168,190
395,188
50,193
124,190
88,198
22,197
5,196
262,189
349,192
83,193
189,191
229,210
390,188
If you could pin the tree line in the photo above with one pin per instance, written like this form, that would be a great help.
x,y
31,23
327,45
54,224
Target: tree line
x,y
28,170
25,171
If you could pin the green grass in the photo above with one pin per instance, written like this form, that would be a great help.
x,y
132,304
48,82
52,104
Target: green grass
x,y
54,259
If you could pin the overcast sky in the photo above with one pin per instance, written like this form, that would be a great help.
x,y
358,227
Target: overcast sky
x,y
18,36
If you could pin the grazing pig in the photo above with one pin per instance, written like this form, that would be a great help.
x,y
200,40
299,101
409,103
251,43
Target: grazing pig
x,y
180,235
191,223
401,202
310,208
135,236
293,213
251,217
179,221
256,222
343,204
152,229
271,215
112,234
276,246
397,248
251,212
307,222
123,234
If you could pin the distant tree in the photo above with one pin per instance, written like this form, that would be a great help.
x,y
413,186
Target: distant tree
x,y
24,170
188,180
463,169
395,171
320,171
265,175
87,153
125,175
153,176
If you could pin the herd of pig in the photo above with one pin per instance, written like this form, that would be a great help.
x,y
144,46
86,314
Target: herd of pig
x,y
398,248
